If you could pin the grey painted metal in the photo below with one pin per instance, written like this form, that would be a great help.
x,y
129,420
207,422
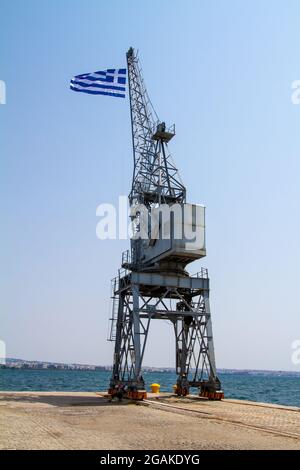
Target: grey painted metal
x,y
152,287
155,176
136,330
157,279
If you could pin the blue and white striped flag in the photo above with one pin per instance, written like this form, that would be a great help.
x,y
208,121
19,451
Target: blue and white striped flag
x,y
111,82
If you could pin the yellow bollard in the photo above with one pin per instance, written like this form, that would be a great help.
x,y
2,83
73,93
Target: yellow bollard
x,y
155,388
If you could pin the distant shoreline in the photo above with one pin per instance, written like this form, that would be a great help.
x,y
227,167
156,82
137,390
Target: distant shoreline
x,y
22,364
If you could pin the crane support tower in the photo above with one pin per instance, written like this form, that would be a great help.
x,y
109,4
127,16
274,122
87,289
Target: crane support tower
x,y
153,284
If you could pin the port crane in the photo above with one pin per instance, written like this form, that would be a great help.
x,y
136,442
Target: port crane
x,y
153,283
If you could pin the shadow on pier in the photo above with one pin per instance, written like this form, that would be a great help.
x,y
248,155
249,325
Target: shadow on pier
x,y
60,399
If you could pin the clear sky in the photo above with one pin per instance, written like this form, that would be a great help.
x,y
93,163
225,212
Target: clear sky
x,y
222,71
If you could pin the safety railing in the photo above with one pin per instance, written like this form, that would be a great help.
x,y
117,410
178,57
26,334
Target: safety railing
x,y
126,257
203,273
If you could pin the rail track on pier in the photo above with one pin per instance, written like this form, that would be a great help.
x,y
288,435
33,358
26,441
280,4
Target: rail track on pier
x,y
274,419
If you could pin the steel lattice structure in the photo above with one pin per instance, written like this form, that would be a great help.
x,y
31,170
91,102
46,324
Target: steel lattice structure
x,y
155,177
154,284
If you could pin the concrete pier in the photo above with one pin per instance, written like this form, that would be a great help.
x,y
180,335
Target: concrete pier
x,y
79,420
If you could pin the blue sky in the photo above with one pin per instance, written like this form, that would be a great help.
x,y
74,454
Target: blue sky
x,y
222,71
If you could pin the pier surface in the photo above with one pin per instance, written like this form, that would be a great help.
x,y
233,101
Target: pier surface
x,y
86,420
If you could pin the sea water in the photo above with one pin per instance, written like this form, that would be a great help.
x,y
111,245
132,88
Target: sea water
x,y
270,387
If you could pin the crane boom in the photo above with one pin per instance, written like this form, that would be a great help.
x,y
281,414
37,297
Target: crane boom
x,y
155,176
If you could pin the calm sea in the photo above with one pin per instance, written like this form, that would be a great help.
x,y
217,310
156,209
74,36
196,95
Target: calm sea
x,y
280,388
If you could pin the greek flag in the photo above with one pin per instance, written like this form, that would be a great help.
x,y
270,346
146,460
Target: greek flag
x,y
111,82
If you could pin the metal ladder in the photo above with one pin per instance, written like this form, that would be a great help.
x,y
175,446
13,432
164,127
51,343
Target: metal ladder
x,y
114,309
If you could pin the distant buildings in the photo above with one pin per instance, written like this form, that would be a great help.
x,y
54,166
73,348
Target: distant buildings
x,y
38,365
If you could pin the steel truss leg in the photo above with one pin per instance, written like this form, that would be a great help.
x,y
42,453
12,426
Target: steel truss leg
x,y
195,359
190,315
131,337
